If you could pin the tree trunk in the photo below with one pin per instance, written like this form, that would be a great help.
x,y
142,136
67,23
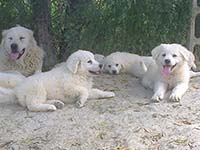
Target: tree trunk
x,y
41,17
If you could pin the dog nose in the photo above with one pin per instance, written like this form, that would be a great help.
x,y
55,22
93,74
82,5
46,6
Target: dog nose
x,y
167,61
14,47
100,66
114,72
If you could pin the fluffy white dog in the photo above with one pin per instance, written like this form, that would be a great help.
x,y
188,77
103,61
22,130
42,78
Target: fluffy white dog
x,y
171,71
123,62
20,53
68,82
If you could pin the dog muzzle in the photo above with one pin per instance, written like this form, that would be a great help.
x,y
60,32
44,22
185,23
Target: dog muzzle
x,y
16,55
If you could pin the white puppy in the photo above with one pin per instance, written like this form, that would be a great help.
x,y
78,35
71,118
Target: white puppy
x,y
19,52
123,62
68,82
171,71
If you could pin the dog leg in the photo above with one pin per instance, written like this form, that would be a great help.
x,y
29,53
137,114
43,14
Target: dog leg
x,y
96,93
178,92
159,91
83,96
41,107
59,104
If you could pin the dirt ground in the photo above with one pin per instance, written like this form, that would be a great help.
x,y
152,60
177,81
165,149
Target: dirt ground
x,y
130,121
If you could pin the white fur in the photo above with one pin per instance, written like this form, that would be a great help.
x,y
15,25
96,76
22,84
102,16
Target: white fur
x,y
31,60
177,81
123,62
68,82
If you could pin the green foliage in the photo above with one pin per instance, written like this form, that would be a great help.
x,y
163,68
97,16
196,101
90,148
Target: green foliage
x,y
15,12
103,26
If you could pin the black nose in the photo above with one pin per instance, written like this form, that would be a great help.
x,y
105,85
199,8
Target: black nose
x,y
114,71
14,48
100,66
167,61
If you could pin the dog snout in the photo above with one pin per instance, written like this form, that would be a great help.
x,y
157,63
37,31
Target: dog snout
x,y
14,47
114,72
100,66
167,61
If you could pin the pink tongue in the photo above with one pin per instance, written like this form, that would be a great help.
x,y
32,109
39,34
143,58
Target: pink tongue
x,y
166,70
14,56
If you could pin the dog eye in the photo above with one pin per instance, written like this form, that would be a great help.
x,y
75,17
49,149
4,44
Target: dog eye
x,y
163,55
117,65
174,55
10,38
21,38
89,61
109,66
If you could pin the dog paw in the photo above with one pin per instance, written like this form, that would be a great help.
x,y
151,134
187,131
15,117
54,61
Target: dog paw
x,y
156,98
79,104
59,104
110,94
51,108
175,97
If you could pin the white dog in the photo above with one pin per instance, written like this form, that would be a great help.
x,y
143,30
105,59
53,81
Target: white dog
x,y
123,62
20,53
68,82
171,71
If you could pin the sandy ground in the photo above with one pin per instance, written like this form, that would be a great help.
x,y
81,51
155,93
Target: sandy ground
x,y
130,121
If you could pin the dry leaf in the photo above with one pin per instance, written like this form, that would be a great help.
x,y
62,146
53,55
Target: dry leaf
x,y
181,141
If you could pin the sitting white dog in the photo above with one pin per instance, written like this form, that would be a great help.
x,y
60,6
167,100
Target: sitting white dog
x,y
66,83
19,54
172,71
123,62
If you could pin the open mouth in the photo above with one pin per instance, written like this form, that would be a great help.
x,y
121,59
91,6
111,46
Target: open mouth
x,y
94,72
16,55
167,69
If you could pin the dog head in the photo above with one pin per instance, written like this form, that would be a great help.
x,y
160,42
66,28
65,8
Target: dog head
x,y
15,42
170,57
112,67
82,62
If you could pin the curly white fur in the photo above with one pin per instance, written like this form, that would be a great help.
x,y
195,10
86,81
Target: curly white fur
x,y
30,61
28,55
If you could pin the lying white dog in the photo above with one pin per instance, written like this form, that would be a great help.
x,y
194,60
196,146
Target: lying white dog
x,y
171,71
68,82
123,62
20,53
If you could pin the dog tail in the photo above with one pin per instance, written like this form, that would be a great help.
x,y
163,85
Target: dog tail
x,y
194,74
139,69
7,95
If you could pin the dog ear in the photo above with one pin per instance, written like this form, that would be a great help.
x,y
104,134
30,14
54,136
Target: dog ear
x,y
73,64
32,39
187,55
122,66
156,51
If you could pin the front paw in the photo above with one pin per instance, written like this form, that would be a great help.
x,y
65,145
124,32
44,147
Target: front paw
x,y
175,97
110,94
59,104
51,108
156,98
79,104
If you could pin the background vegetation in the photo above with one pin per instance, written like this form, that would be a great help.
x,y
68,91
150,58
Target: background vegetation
x,y
103,26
